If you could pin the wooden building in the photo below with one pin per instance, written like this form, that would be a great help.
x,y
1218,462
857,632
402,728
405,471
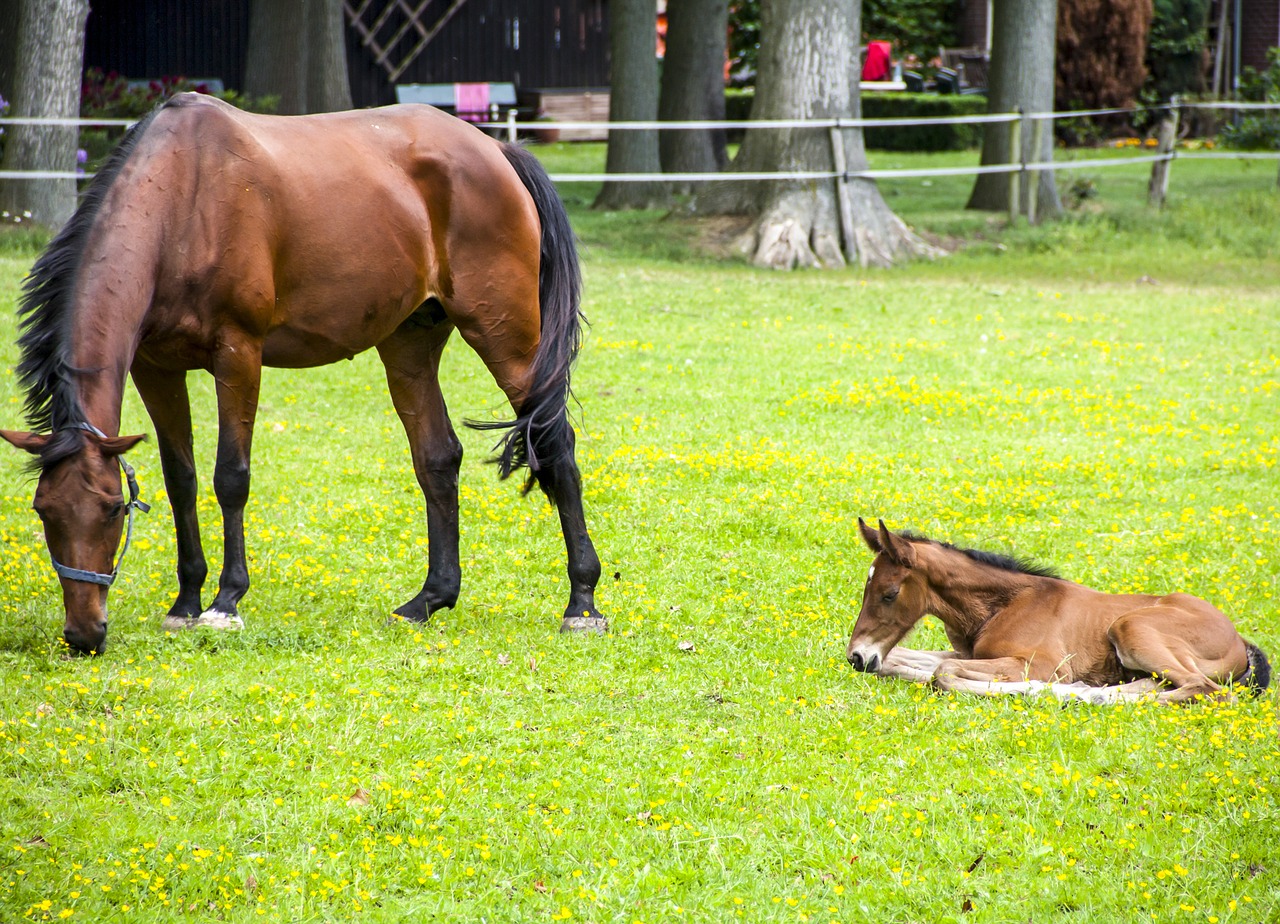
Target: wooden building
x,y
533,44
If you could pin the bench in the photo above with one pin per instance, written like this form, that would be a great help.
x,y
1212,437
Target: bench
x,y
475,102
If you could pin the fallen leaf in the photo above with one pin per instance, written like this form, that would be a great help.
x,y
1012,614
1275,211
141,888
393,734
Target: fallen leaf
x,y
359,797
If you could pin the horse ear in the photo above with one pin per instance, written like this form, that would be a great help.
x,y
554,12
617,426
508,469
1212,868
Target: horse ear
x,y
119,445
899,550
31,442
869,536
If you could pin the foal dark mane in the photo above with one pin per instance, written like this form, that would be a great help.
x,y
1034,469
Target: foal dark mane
x,y
992,559
45,315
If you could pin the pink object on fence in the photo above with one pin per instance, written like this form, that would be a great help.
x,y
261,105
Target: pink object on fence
x,y
471,101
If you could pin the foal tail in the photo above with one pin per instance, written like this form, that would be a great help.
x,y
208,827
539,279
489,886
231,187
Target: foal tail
x,y
541,434
1257,677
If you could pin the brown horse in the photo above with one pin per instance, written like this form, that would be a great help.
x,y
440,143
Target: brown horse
x,y
1019,628
220,240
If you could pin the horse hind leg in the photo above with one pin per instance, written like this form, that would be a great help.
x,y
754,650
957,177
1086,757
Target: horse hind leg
x,y
544,440
166,398
1154,642
411,357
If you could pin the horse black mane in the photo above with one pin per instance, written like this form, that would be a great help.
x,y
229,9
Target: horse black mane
x,y
992,559
45,315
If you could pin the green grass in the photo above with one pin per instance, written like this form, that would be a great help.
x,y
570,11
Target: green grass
x,y
1026,394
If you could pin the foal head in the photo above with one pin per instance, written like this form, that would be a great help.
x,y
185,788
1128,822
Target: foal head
x,y
892,602
79,499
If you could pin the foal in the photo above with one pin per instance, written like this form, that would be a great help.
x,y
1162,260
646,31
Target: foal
x,y
1018,628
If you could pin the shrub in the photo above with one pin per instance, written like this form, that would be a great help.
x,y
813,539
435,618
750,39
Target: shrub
x,y
956,137
1257,132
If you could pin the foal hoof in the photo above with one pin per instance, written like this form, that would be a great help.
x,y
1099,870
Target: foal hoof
x,y
586,624
178,623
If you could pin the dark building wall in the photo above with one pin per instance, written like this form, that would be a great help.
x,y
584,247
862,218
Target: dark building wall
x,y
531,43
1260,31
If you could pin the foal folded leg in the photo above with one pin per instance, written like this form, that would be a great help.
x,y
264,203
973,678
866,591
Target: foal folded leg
x,y
411,356
1184,647
164,393
910,664
994,676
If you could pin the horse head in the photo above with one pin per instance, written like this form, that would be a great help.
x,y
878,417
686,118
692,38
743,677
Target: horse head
x,y
79,498
893,600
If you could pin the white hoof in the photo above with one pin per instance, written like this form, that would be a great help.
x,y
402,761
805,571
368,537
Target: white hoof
x,y
177,623
213,619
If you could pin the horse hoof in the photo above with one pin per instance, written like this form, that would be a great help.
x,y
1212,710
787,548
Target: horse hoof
x,y
223,622
587,624
178,623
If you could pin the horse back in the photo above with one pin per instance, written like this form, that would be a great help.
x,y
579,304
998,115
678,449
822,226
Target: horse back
x,y
316,235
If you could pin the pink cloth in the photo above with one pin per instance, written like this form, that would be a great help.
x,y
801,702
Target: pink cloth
x,y
471,101
876,66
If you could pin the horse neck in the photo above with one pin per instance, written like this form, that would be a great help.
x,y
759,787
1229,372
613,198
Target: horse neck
x,y
104,335
964,593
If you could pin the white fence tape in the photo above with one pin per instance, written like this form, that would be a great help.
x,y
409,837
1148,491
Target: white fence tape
x,y
511,126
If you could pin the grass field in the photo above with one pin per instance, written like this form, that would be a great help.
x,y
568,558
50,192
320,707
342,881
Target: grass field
x,y
1099,395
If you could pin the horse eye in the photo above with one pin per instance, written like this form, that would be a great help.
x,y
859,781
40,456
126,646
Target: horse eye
x,y
115,510
890,595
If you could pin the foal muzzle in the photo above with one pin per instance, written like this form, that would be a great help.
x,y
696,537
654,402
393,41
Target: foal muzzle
x,y
868,664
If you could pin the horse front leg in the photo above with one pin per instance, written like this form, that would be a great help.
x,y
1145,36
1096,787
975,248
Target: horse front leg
x,y
237,368
910,664
411,357
164,393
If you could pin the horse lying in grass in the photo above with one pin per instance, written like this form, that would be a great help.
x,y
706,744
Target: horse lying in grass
x,y
1017,628
220,240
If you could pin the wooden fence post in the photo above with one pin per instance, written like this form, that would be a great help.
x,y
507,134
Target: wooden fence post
x,y
842,190
1033,181
1015,157
1158,188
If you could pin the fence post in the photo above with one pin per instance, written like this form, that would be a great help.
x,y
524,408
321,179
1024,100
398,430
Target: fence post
x,y
1015,157
1033,180
511,125
1158,187
842,189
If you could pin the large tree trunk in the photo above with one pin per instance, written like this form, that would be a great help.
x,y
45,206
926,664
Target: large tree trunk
x,y
328,82
297,52
633,97
1021,76
46,84
693,85
808,69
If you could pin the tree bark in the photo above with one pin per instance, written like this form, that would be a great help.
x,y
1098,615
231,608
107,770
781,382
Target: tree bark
x,y
633,97
46,84
297,51
808,69
328,82
693,85
1021,76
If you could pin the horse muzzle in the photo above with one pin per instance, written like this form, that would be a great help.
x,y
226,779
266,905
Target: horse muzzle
x,y
86,639
867,662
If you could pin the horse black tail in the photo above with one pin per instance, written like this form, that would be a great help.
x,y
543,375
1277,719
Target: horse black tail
x,y
1258,675
541,434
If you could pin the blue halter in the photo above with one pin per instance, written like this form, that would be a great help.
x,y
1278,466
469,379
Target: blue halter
x,y
95,577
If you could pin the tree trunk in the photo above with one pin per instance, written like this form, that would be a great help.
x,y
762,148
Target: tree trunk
x,y
46,84
1020,76
10,14
808,69
297,51
693,85
328,83
633,97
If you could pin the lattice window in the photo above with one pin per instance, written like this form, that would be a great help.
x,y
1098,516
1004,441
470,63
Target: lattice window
x,y
396,32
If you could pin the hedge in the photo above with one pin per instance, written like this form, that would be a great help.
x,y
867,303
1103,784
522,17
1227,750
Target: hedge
x,y
737,105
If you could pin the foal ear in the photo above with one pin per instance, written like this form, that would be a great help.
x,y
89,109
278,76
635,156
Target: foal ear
x,y
31,442
869,536
899,550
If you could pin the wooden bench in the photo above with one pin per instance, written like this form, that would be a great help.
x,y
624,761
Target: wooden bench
x,y
499,96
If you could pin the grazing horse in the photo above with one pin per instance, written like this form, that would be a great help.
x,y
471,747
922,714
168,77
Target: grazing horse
x,y
222,240
1019,628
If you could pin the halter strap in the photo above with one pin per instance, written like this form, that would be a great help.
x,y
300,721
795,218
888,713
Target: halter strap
x,y
97,577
